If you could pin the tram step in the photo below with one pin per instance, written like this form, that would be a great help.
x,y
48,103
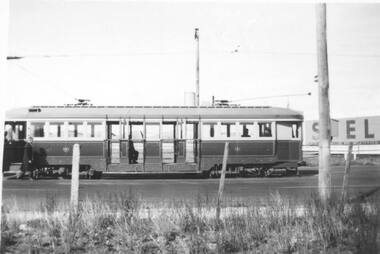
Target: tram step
x,y
153,167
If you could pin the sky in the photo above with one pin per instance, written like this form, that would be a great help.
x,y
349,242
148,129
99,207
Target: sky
x,y
143,53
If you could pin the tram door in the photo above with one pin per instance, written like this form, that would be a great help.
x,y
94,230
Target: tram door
x,y
168,138
114,136
15,133
191,141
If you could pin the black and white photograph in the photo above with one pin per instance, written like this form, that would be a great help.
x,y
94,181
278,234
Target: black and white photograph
x,y
188,126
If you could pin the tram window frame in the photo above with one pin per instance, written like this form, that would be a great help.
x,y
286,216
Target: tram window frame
x,y
297,132
60,129
230,130
250,127
15,130
261,127
79,129
140,134
91,131
169,134
148,130
211,130
180,129
124,129
37,133
114,131
20,130
288,130
191,130
8,130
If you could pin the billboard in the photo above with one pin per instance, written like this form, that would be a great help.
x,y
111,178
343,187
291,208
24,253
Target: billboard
x,y
359,130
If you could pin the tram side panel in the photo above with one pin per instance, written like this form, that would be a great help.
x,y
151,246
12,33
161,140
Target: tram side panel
x,y
240,153
289,153
55,154
266,154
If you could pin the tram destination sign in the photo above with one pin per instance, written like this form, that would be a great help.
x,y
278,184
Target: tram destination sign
x,y
359,130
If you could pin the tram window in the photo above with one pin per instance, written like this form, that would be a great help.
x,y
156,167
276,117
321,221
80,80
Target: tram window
x,y
265,129
15,131
76,130
124,129
284,130
296,127
246,130
152,131
37,129
288,130
55,129
9,132
114,130
168,131
226,130
180,131
96,130
208,130
136,130
191,130
20,131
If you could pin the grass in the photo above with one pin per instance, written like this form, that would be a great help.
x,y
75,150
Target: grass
x,y
125,225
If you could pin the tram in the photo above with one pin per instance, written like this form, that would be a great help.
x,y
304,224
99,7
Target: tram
x,y
157,139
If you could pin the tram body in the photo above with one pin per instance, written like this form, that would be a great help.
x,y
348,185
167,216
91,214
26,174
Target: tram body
x,y
157,139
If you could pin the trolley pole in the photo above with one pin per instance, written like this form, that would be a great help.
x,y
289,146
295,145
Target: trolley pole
x,y
196,36
4,22
324,179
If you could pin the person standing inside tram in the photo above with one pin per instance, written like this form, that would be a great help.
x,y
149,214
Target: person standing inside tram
x,y
132,153
28,160
6,160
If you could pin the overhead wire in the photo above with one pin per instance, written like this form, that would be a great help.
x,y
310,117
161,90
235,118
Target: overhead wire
x,y
37,76
184,52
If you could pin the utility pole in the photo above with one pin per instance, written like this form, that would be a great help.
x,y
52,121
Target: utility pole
x,y
324,178
196,37
4,22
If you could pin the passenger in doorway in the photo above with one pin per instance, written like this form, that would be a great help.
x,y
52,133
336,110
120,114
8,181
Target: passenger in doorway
x,y
5,137
6,152
28,162
133,155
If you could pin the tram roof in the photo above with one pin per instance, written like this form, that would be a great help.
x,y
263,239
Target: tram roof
x,y
152,112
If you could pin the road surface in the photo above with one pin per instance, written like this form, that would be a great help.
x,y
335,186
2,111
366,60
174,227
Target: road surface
x,y
28,194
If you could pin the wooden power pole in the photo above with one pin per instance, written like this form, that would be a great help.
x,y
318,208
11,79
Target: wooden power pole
x,y
324,180
4,21
196,36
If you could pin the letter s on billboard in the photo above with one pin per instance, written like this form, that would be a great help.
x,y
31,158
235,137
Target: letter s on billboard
x,y
360,130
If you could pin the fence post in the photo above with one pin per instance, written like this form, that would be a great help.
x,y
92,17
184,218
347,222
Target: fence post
x,y
346,173
221,182
75,178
